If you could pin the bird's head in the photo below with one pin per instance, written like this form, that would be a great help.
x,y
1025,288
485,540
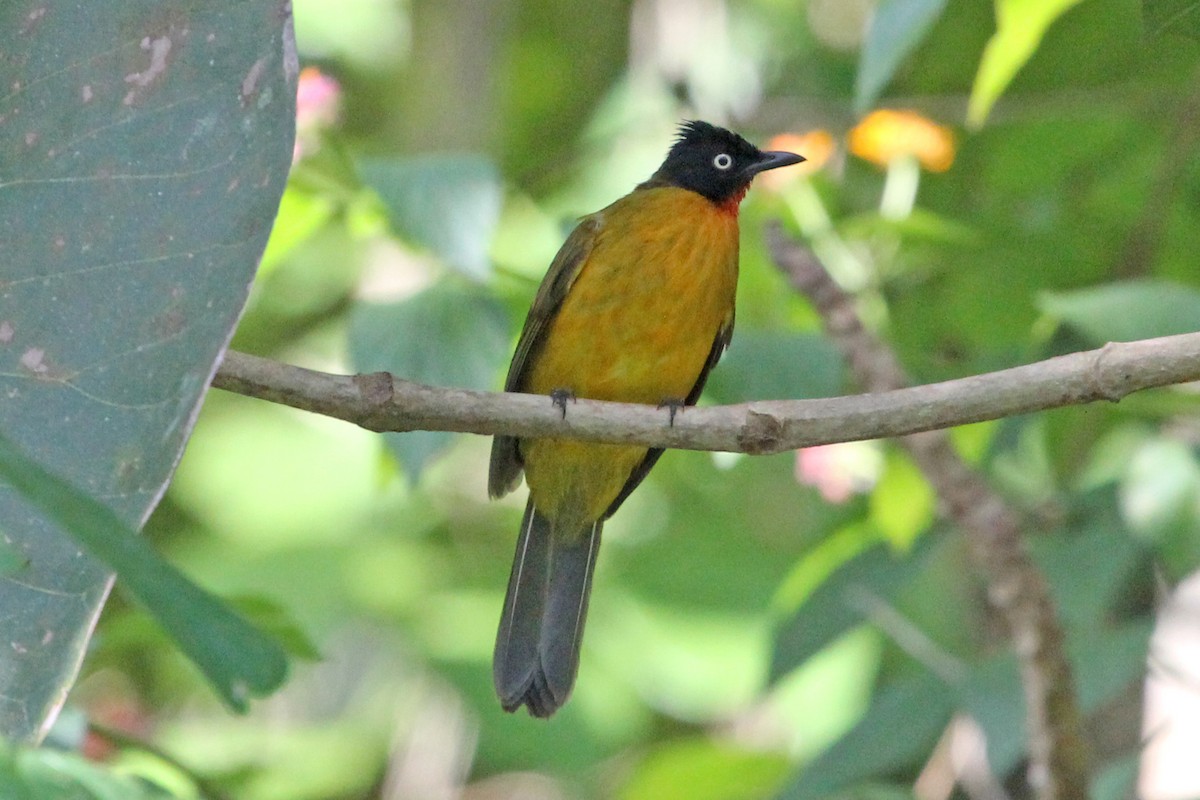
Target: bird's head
x,y
716,163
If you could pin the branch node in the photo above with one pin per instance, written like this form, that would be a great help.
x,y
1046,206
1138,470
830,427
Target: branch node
x,y
1108,387
376,390
761,433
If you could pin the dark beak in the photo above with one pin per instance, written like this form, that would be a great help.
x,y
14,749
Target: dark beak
x,y
773,159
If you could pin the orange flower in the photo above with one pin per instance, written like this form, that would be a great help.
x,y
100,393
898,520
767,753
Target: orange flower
x,y
816,146
885,135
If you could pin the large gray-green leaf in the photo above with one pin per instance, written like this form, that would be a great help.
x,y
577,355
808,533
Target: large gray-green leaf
x,y
143,150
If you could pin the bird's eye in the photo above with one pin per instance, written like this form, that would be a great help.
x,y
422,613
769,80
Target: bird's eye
x,y
723,161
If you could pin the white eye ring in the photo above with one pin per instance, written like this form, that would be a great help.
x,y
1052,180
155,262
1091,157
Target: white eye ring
x,y
723,161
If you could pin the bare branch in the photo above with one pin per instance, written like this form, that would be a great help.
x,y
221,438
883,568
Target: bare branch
x,y
381,402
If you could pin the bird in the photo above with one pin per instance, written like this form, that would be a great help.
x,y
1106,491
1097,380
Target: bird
x,y
637,307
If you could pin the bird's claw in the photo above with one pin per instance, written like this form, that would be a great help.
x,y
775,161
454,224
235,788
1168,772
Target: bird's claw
x,y
674,406
559,398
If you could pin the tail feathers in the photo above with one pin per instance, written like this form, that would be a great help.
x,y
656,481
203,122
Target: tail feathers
x,y
537,647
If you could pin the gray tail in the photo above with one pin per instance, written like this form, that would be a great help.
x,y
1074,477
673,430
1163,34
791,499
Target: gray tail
x,y
537,647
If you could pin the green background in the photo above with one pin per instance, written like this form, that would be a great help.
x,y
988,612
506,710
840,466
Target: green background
x,y
749,637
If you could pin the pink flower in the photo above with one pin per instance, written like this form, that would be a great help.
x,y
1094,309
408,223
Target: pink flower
x,y
318,106
839,471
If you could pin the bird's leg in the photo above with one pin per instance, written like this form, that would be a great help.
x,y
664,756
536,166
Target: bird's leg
x,y
559,398
675,405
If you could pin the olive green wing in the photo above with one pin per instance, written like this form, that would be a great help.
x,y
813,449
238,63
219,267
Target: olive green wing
x,y
506,464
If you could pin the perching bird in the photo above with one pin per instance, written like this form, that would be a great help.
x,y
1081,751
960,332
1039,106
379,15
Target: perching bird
x,y
636,307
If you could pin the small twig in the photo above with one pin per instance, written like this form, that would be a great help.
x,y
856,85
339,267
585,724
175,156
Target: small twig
x,y
381,402
906,635
1058,769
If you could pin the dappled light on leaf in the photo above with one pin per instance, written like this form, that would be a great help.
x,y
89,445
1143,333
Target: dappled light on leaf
x,y
1020,26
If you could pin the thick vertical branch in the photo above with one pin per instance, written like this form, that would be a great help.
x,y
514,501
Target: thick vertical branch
x,y
1016,588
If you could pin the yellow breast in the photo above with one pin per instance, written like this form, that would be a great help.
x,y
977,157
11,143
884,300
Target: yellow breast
x,y
636,326
640,319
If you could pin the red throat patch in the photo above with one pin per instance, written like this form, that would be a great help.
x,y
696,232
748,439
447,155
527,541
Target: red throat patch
x,y
731,204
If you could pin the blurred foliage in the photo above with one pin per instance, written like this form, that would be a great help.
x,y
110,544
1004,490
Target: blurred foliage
x,y
800,625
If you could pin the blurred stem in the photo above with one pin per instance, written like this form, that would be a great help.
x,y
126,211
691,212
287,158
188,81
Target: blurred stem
x,y
806,206
1016,587
907,636
900,188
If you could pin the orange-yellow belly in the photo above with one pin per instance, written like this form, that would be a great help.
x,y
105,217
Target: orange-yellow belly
x,y
636,326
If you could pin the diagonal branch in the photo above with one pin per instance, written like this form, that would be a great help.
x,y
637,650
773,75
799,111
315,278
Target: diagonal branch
x,y
381,402
1016,587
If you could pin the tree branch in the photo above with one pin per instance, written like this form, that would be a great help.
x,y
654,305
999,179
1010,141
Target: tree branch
x,y
1016,587
381,402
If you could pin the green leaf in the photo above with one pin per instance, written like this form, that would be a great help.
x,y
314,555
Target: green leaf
x,y
142,159
49,774
1126,311
831,609
448,335
899,729
703,769
11,559
448,203
897,27
1091,563
237,659
903,502
1108,661
1160,501
1020,25
273,619
1117,779
300,215
1172,16
762,365
992,695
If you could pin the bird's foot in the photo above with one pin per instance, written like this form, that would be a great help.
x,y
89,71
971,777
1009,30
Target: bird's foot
x,y
559,398
674,406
